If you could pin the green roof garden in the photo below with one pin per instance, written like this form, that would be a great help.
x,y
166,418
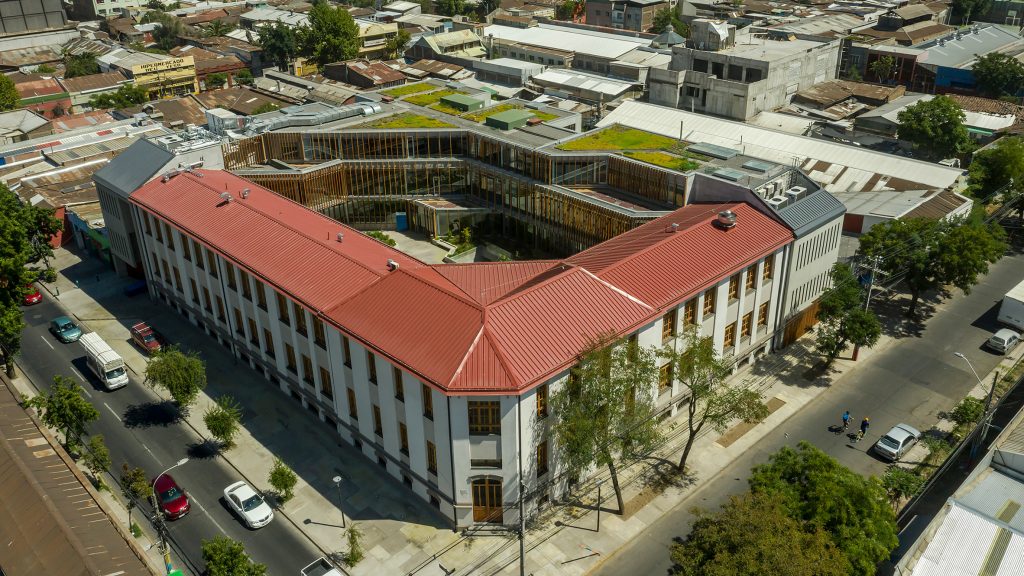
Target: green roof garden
x,y
621,138
670,161
407,89
430,97
484,114
407,120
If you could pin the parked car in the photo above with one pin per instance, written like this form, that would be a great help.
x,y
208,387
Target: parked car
x,y
32,295
897,442
65,330
1003,341
146,338
172,499
321,567
248,504
135,288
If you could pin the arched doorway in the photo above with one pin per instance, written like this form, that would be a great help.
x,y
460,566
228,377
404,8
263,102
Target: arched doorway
x,y
487,500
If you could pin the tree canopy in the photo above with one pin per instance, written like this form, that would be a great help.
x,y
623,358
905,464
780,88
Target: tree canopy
x,y
9,97
1000,168
883,68
222,420
450,7
126,96
395,45
935,127
280,43
998,74
166,35
80,64
843,319
668,18
967,9
753,535
226,557
182,374
331,35
65,409
814,488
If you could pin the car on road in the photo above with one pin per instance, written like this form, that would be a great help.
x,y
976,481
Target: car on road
x,y
895,443
172,499
1003,341
32,295
65,330
248,504
146,338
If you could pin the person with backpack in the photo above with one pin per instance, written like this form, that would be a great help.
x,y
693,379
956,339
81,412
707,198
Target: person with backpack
x,y
846,420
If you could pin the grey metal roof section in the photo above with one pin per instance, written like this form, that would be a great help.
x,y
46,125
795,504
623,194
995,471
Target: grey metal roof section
x,y
990,494
713,150
963,46
133,167
809,213
759,165
729,174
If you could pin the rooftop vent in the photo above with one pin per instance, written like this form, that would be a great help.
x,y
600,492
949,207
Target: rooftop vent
x,y
169,175
726,219
674,227
245,193
392,265
226,197
341,236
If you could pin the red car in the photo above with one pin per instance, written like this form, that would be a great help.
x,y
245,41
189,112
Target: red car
x,y
32,295
146,338
172,499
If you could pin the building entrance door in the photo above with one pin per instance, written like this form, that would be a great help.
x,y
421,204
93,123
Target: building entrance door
x,y
487,500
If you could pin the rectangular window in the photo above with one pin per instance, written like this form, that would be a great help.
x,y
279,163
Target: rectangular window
x,y
160,232
762,314
326,388
199,255
307,369
730,336
396,374
665,377
371,367
206,300
769,268
319,334
289,355
353,413
177,280
484,417
195,290
751,280
254,337
145,219
748,325
542,459
668,326
690,312
347,351
212,261
246,287
268,343
709,302
378,428
428,402
403,439
261,295
230,269
300,319
734,287
542,401
431,458
220,309
156,265
186,249
239,325
170,239
282,309
167,271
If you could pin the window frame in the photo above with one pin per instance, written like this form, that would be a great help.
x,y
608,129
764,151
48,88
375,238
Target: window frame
x,y
484,417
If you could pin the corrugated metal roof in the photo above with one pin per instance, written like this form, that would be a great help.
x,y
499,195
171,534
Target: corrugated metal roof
x,y
564,38
992,493
811,212
133,167
485,282
965,545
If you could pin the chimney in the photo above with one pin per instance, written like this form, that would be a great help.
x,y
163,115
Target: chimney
x,y
341,236
245,193
392,265
726,219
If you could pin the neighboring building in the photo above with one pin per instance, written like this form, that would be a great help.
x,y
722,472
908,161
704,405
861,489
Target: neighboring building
x,y
250,54
403,7
21,16
81,89
265,15
207,63
20,125
58,190
460,47
162,76
241,100
92,9
866,209
592,89
637,15
424,23
373,39
737,75
983,127
42,94
945,65
564,46
70,122
506,71
28,58
364,74
174,113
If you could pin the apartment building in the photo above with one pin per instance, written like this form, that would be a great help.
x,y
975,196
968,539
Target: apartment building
x,y
636,15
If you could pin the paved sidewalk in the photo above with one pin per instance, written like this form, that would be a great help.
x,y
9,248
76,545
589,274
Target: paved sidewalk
x,y
402,534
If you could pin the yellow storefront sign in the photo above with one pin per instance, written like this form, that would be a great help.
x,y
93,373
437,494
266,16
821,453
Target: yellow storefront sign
x,y
165,78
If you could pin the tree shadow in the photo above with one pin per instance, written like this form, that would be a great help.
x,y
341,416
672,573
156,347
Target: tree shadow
x,y
204,450
892,313
162,413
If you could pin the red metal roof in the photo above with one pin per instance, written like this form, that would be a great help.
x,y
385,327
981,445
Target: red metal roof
x,y
486,328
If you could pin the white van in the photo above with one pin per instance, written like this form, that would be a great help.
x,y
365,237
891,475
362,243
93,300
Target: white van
x,y
106,364
1011,311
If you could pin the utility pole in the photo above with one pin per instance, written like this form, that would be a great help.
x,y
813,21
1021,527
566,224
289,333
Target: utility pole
x,y
158,519
987,418
873,268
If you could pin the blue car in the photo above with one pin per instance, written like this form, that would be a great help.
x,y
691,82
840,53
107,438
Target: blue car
x,y
65,330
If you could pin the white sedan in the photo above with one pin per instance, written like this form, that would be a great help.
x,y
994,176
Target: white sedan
x,y
248,504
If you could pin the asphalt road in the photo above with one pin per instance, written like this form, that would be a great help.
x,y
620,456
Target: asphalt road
x,y
141,430
909,382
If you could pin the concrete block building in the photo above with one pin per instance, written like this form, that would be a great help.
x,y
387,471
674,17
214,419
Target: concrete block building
x,y
637,15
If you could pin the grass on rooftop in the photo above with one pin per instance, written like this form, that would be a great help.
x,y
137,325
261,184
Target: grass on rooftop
x,y
430,97
664,160
440,107
407,120
621,138
481,115
407,89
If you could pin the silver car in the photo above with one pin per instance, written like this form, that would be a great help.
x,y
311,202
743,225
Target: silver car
x,y
895,443
248,504
1004,341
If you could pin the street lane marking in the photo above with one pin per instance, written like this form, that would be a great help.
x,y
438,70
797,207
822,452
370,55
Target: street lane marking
x,y
114,413
45,341
208,515
77,373
86,391
151,454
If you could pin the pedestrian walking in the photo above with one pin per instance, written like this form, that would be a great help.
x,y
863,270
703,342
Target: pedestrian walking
x,y
846,420
863,427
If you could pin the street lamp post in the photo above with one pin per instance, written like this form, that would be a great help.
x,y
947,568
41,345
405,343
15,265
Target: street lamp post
x,y
599,483
337,484
988,403
164,547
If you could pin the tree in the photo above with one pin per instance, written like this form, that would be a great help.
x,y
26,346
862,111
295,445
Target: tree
x,y
166,36
218,28
426,6
814,488
606,407
669,19
331,35
12,324
223,418
266,107
9,97
216,80
135,487
967,8
127,95
565,10
754,536
998,74
80,64
182,374
226,557
965,250
936,127
243,77
279,43
487,6
46,69
900,483
843,320
450,7
97,458
712,402
968,411
65,409
1000,168
883,68
355,547
283,479
395,45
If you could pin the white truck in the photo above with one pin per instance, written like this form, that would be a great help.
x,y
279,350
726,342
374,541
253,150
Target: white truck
x,y
106,364
1011,311
322,567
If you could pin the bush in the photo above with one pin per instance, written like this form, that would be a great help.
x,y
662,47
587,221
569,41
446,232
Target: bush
x,y
223,419
378,235
968,411
355,548
283,479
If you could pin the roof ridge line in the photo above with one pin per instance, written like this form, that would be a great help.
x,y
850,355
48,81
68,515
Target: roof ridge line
x,y
500,354
458,294
465,357
619,290
567,266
